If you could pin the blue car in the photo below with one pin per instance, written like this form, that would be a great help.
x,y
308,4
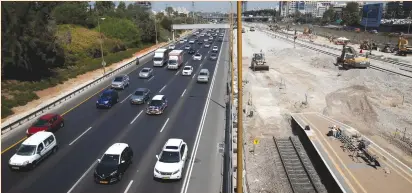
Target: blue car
x,y
107,99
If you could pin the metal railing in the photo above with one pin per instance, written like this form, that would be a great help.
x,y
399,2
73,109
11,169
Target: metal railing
x,y
59,101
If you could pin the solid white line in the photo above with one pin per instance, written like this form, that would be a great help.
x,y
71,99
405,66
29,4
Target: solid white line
x,y
150,78
125,98
80,136
162,88
193,76
128,186
183,93
80,179
177,72
136,117
164,125
186,181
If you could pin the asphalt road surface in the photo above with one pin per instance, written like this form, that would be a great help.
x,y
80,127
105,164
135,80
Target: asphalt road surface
x,y
88,132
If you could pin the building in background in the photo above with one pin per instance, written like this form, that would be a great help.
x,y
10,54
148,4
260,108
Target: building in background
x,y
372,15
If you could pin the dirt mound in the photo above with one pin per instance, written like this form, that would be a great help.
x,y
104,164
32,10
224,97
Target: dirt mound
x,y
352,102
322,62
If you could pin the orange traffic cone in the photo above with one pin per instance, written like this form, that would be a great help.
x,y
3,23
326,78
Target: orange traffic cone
x,y
361,51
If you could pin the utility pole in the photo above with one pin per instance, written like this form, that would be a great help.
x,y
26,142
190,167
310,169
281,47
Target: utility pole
x,y
101,45
193,12
239,173
231,50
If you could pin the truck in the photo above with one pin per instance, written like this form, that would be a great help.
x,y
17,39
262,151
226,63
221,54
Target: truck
x,y
160,57
175,59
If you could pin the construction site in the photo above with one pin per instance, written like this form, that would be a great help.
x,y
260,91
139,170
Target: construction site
x,y
309,100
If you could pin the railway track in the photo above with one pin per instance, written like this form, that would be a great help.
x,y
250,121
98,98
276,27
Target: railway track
x,y
298,175
336,55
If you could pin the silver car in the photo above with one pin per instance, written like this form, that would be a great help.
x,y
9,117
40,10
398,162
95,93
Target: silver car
x,y
203,76
213,56
140,96
120,82
146,73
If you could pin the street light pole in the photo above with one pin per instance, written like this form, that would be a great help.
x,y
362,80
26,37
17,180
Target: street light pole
x,y
101,45
239,173
155,25
367,15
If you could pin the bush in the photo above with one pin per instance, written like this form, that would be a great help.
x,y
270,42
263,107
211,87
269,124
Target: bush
x,y
122,29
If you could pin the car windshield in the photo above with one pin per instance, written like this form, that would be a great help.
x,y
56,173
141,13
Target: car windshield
x,y
157,59
109,159
187,46
26,150
197,54
213,55
105,95
214,47
118,79
172,62
156,103
41,122
145,70
169,157
186,68
203,73
139,93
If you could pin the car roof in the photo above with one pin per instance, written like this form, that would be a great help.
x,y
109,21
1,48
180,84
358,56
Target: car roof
x,y
141,89
187,66
108,91
116,149
215,46
146,68
47,116
204,70
173,142
158,97
36,138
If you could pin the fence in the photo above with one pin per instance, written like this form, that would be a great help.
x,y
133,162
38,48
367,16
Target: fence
x,y
401,138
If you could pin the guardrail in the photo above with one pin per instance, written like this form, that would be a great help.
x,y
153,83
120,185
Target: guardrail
x,y
59,101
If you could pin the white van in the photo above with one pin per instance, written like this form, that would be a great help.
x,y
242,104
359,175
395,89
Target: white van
x,y
33,150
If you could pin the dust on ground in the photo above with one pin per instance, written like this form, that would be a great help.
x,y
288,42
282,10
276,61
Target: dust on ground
x,y
301,80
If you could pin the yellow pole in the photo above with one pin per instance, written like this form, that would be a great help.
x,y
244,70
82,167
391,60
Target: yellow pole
x,y
231,51
239,172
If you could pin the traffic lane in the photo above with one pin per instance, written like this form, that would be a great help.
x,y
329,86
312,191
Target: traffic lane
x,y
14,137
140,139
185,126
83,119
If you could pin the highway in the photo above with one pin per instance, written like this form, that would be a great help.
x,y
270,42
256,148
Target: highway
x,y
88,132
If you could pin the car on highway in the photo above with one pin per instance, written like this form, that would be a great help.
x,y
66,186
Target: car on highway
x,y
48,122
120,82
203,76
33,150
191,51
107,99
213,56
205,40
140,96
172,47
191,41
187,47
211,38
157,105
113,164
202,34
182,41
187,71
200,42
185,39
220,39
171,160
221,35
146,73
197,56
207,45
215,49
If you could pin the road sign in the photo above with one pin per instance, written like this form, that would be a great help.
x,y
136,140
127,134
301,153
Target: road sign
x,y
256,141
103,63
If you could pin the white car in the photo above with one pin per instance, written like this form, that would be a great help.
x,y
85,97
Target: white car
x,y
187,71
187,47
205,40
181,41
191,41
171,161
207,45
172,47
197,57
202,34
215,49
185,39
211,38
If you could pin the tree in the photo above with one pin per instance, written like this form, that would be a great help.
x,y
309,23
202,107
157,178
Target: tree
x,y
71,12
169,11
329,15
104,7
350,14
122,29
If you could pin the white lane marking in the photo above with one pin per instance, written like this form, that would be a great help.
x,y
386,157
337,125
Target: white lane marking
x,y
81,178
183,93
177,72
162,88
193,76
128,186
186,181
164,125
80,136
136,117
150,78
125,98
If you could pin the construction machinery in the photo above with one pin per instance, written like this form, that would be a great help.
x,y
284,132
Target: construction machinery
x,y
366,45
350,59
258,62
308,30
403,48
387,48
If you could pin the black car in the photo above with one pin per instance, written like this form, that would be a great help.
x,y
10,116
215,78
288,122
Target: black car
x,y
113,164
213,57
200,42
107,99
192,51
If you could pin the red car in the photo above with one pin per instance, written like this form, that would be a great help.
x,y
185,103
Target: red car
x,y
47,122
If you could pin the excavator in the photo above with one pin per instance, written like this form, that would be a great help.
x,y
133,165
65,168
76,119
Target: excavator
x,y
350,59
258,62
366,45
403,48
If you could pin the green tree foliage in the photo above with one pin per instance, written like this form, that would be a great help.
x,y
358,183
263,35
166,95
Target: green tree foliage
x,y
328,16
122,29
350,14
72,13
29,47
